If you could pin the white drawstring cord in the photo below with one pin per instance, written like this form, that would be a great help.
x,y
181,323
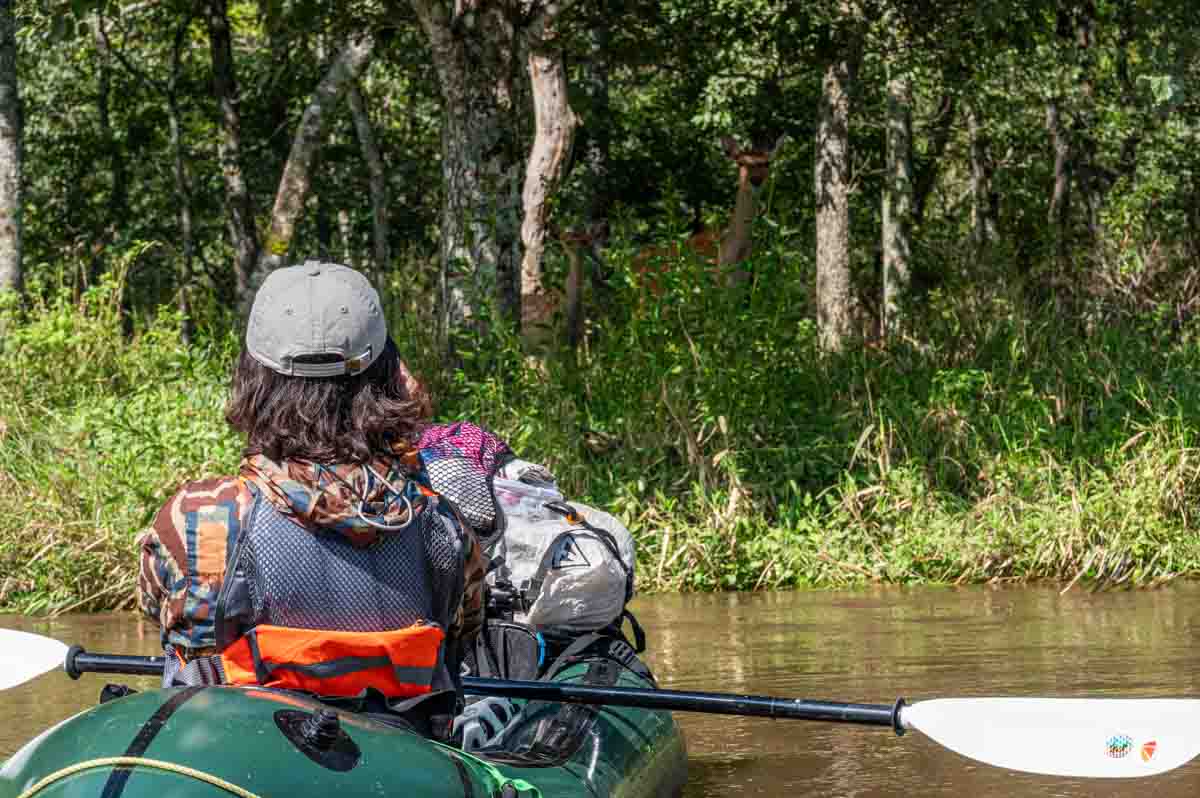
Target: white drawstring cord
x,y
408,519
408,516
362,497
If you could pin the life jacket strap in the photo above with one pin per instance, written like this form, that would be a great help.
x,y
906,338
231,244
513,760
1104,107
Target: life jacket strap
x,y
199,671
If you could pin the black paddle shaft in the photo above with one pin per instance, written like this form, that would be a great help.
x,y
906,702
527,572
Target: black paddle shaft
x,y
79,662
684,701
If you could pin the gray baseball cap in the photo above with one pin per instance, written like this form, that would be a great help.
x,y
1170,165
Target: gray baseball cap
x,y
316,320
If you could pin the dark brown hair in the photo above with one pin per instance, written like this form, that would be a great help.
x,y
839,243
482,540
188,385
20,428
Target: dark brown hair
x,y
324,419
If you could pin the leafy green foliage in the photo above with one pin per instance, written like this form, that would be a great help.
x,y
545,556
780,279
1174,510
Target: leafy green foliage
x,y
1019,446
94,432
1037,420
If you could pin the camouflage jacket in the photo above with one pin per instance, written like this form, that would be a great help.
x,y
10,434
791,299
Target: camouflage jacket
x,y
183,553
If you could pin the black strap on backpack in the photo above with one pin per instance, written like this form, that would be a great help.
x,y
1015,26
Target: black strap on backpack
x,y
639,634
602,645
507,650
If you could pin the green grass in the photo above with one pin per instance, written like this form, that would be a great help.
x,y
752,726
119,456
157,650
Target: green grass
x,y
1004,441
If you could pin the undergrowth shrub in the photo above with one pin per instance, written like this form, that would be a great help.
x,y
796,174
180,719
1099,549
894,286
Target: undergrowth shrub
x,y
997,440
96,429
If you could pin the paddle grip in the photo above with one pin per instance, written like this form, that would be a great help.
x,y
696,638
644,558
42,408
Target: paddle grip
x,y
69,665
79,662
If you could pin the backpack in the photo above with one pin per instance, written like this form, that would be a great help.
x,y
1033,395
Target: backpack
x,y
564,566
556,566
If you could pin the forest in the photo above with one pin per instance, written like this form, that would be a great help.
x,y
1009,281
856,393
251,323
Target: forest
x,y
810,294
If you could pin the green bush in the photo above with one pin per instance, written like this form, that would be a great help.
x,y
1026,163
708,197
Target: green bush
x,y
996,442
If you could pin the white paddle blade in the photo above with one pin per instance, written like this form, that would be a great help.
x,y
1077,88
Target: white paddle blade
x,y
24,656
1080,737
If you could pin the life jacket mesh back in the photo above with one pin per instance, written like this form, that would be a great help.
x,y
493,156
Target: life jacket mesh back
x,y
461,460
313,580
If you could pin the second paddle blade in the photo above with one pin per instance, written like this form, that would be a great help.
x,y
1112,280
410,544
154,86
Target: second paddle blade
x,y
24,656
1080,737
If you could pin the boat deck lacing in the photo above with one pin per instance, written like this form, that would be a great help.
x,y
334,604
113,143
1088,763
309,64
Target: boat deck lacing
x,y
140,762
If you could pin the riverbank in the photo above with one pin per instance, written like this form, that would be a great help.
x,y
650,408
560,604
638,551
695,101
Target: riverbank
x,y
1007,445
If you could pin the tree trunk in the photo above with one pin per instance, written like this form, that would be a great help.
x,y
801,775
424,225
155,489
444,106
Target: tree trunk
x,y
11,142
320,214
1194,216
119,188
183,199
598,145
183,192
183,195
926,175
1091,183
474,53
346,235
832,183
897,199
297,172
555,134
380,228
239,207
1059,213
983,205
280,44
1127,35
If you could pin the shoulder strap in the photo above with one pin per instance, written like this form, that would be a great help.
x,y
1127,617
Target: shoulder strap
x,y
572,654
639,634
600,645
233,599
509,650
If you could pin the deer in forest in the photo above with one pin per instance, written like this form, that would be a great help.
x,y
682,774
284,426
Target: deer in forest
x,y
723,248
727,247
574,242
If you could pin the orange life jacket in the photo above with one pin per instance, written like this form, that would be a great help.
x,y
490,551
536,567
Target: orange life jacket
x,y
307,610
400,663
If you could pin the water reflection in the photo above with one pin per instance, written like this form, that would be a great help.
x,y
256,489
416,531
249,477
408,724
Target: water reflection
x,y
29,709
867,646
876,645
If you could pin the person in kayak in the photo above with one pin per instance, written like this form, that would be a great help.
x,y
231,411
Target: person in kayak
x,y
328,563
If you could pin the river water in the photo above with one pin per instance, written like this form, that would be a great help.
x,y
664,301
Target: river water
x,y
869,646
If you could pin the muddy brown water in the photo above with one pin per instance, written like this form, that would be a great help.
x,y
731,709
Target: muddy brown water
x,y
869,646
